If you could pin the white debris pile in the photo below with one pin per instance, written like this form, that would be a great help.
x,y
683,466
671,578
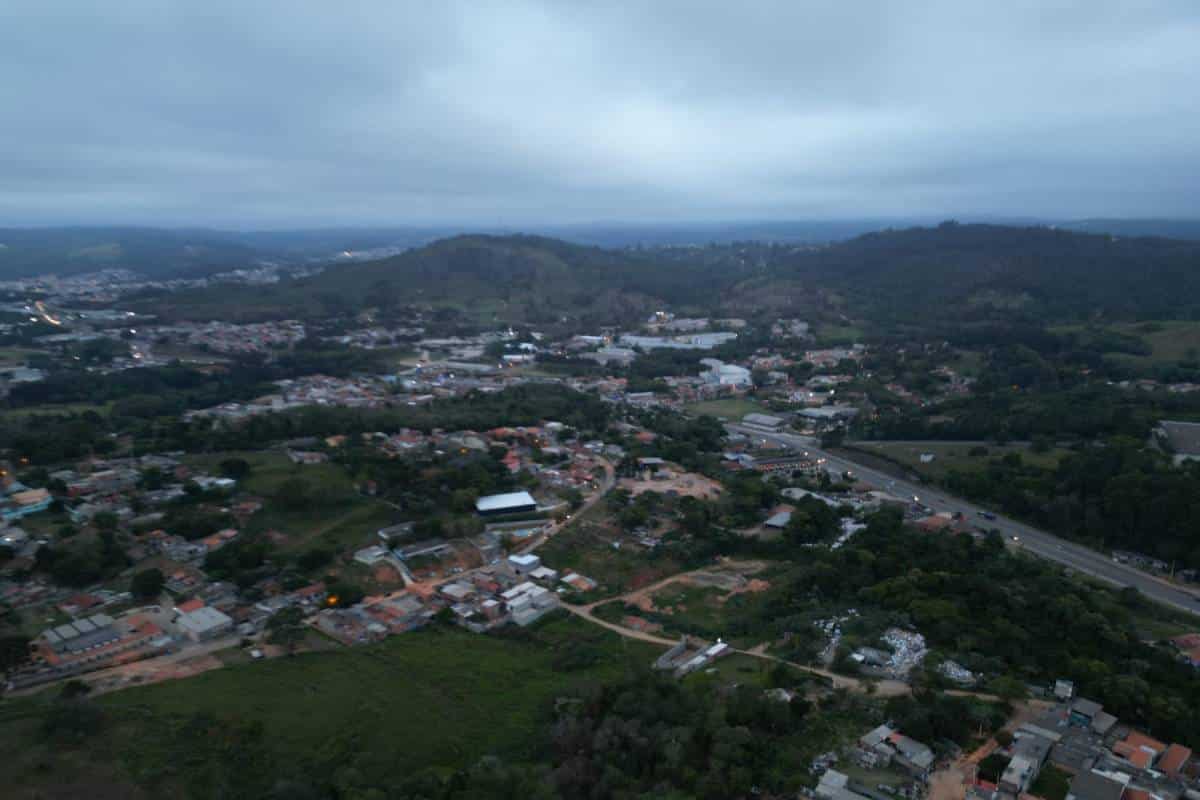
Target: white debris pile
x,y
849,528
956,672
832,627
908,650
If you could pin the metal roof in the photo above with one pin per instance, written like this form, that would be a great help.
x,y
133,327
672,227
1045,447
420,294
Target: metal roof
x,y
497,502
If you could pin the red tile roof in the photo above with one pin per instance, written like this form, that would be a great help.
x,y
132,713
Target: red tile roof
x,y
1173,760
1141,740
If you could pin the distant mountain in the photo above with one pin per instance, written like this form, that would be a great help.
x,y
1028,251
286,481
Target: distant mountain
x,y
153,252
185,253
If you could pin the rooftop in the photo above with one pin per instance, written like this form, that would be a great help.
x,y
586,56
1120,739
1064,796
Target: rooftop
x,y
499,502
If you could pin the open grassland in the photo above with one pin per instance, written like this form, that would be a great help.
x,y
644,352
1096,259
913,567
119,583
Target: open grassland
x,y
440,699
1167,341
962,456
347,520
586,547
733,408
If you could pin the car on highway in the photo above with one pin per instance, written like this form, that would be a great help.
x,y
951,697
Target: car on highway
x,y
986,514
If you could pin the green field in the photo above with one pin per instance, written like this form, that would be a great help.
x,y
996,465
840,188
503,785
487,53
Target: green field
x,y
437,699
16,356
956,455
586,547
1169,340
348,523
733,408
834,335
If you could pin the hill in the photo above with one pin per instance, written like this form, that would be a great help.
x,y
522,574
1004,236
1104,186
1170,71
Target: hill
x,y
485,278
153,252
970,271
965,272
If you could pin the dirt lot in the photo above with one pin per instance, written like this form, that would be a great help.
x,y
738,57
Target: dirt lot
x,y
684,484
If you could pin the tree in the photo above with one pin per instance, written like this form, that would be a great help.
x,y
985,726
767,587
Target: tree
x,y
14,652
287,628
105,521
1008,688
235,468
147,584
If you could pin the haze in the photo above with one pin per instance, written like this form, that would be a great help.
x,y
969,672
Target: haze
x,y
257,114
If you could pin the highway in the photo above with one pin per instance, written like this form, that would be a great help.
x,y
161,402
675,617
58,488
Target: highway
x,y
1017,534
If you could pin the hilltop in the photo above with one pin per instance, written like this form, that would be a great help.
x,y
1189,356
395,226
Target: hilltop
x,y
964,271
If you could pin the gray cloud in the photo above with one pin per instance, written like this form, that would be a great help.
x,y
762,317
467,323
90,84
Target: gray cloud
x,y
309,113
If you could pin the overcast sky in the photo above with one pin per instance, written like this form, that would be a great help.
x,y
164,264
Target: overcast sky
x,y
259,114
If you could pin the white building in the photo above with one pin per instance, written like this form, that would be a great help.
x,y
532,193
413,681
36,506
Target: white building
x,y
204,623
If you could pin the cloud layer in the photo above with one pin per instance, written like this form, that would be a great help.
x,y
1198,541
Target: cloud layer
x,y
299,113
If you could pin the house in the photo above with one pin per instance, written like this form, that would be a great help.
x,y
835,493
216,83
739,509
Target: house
x,y
1017,776
835,785
1098,785
1139,750
510,503
1173,760
372,555
778,521
888,743
1083,710
544,574
457,591
578,582
1182,439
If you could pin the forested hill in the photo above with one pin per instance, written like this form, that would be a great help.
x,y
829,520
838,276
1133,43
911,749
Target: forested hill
x,y
952,271
1041,270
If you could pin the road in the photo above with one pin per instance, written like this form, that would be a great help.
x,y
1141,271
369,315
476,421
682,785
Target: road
x,y
885,688
606,486
1032,540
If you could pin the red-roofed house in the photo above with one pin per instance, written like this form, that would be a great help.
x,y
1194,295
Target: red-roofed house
x,y
190,605
1173,759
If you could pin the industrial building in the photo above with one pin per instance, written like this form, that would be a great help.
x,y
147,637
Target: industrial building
x,y
511,503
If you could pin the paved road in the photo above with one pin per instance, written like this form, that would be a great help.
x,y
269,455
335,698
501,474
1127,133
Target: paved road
x,y
606,486
1015,533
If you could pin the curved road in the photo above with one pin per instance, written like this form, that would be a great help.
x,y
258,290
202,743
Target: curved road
x,y
886,688
1016,533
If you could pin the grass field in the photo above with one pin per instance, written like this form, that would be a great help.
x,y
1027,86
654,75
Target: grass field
x,y
345,524
733,408
833,335
1169,340
438,699
15,356
956,455
52,409
586,547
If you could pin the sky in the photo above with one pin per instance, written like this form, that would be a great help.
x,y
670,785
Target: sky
x,y
248,114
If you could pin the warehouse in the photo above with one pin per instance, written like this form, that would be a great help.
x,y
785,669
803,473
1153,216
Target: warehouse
x,y
203,624
511,503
